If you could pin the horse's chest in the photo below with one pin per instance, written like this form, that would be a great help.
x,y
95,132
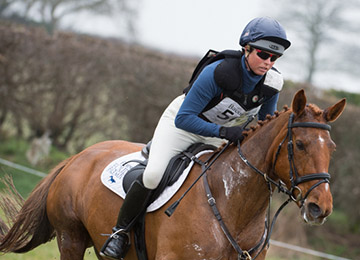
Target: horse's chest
x,y
206,242
235,179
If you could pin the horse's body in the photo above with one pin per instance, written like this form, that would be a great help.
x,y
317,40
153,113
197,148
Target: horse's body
x,y
72,204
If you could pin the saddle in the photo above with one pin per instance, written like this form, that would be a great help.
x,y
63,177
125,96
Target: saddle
x,y
172,173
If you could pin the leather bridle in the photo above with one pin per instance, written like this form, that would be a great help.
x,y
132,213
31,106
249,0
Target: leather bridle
x,y
295,179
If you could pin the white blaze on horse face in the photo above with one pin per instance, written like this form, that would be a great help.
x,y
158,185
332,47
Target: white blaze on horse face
x,y
321,141
327,187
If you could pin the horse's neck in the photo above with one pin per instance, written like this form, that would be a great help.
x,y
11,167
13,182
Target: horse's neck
x,y
261,145
241,193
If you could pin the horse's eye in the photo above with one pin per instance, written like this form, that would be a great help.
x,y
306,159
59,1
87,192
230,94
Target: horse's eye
x,y
300,145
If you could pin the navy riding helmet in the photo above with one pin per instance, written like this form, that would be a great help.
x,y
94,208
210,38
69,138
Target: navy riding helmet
x,y
265,33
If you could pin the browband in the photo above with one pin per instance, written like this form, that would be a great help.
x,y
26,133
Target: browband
x,y
311,124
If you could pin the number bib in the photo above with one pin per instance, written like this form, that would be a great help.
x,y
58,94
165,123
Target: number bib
x,y
227,110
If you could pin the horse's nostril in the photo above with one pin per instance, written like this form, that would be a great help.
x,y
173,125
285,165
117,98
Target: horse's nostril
x,y
314,210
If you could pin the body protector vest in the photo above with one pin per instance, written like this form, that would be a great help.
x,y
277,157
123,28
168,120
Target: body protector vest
x,y
233,106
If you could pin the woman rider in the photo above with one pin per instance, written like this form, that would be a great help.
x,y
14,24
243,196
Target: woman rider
x,y
222,97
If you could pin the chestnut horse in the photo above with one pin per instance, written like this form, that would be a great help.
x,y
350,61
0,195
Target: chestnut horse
x,y
72,204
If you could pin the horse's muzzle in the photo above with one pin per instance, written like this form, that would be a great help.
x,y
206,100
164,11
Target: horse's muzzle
x,y
313,214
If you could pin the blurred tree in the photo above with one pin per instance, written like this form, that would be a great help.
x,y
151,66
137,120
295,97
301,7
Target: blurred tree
x,y
322,28
4,5
84,89
50,12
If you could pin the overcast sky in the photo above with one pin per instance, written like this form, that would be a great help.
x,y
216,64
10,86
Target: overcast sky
x,y
191,27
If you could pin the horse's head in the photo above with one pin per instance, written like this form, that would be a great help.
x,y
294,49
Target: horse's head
x,y
306,157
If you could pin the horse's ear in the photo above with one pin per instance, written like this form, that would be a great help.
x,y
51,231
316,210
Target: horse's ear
x,y
299,102
332,113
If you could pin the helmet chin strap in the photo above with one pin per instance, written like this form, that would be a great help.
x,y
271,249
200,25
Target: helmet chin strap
x,y
248,65
247,53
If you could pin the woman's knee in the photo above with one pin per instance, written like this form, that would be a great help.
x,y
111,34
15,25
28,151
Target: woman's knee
x,y
151,181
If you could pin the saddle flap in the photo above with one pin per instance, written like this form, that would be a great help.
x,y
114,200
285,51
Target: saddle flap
x,y
173,171
135,173
123,171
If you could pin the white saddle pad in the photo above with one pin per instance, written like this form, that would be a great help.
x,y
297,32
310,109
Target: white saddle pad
x,y
113,175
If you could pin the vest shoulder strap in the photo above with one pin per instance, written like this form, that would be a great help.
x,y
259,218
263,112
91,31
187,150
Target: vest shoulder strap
x,y
228,74
210,57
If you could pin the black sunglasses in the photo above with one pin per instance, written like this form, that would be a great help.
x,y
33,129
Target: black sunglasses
x,y
265,55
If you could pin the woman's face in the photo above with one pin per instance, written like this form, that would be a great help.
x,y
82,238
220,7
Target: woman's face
x,y
258,65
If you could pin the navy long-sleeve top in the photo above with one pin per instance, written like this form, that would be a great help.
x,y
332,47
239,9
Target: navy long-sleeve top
x,y
204,90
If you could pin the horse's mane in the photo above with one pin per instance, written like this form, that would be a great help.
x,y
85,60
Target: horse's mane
x,y
260,123
247,133
316,111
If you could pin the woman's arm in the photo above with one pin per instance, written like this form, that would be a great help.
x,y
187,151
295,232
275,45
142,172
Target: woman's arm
x,y
201,93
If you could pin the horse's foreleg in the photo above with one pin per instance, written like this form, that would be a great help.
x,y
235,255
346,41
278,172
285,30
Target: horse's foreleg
x,y
72,244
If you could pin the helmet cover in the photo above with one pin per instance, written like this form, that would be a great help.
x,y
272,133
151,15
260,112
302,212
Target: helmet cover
x,y
265,33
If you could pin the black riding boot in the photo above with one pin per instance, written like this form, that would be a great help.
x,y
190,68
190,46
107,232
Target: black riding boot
x,y
117,245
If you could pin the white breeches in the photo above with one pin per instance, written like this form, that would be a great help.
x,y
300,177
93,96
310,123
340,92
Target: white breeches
x,y
168,141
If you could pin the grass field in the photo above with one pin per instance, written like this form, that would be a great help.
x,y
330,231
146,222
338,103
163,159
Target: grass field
x,y
48,251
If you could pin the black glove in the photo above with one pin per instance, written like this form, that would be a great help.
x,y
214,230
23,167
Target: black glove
x,y
233,134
